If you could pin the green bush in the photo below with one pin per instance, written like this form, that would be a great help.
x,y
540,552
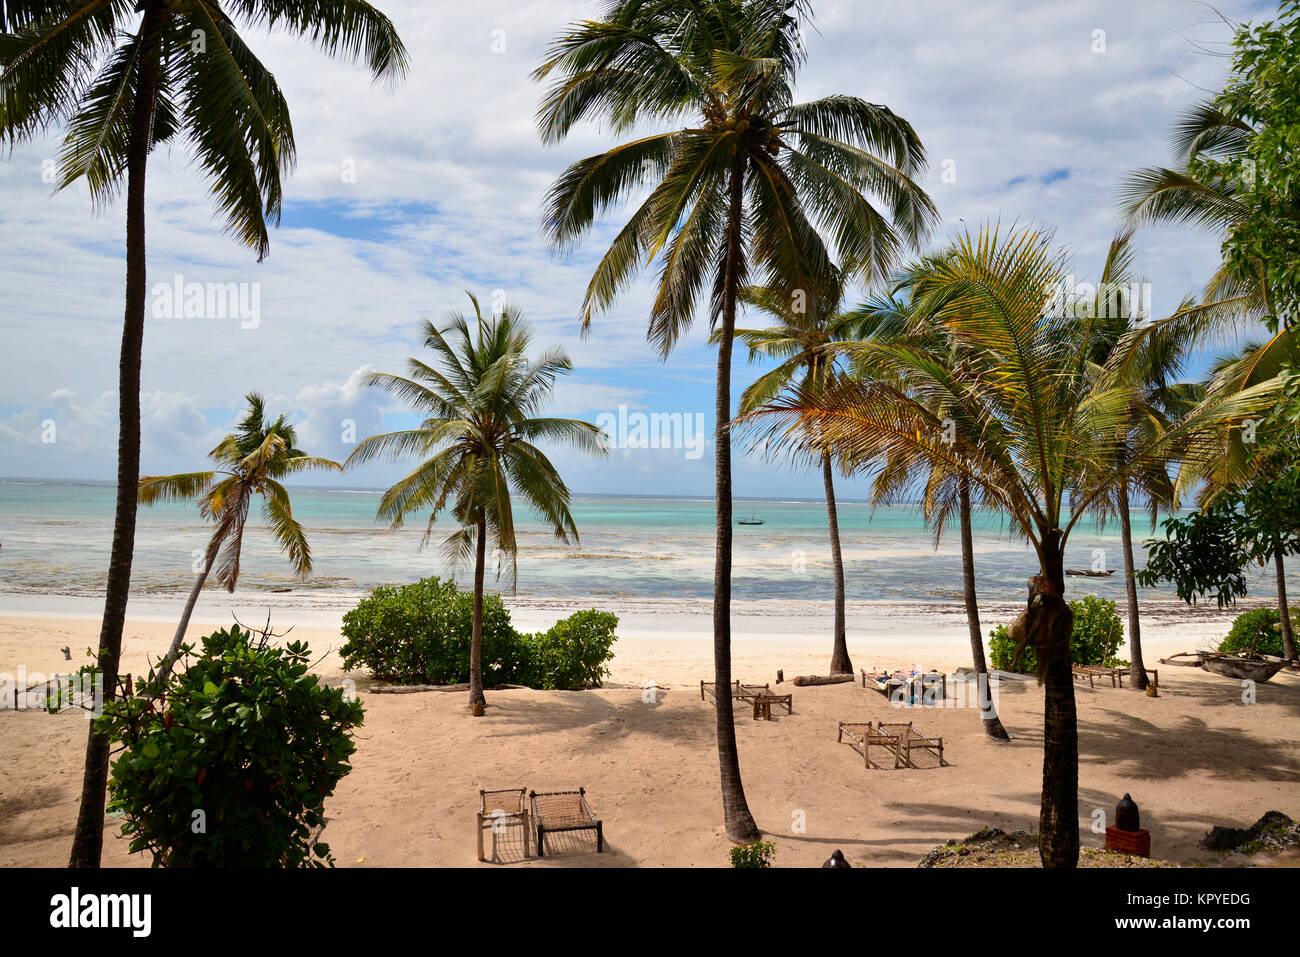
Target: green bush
x,y
1097,634
420,634
758,854
1266,621
232,765
573,654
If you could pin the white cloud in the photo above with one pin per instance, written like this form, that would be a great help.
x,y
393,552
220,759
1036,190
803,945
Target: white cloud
x,y
450,175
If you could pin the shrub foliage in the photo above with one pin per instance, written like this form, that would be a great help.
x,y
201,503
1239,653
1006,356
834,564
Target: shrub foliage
x,y
420,634
1267,623
231,766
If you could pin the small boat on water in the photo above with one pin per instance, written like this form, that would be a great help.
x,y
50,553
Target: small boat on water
x,y
752,520
1090,572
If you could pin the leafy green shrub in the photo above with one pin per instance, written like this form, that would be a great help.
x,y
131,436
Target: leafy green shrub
x,y
1268,623
232,765
574,653
758,854
1096,636
420,634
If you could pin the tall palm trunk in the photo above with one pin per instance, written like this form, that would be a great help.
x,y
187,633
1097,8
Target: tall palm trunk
x,y
1130,585
992,723
87,843
477,702
1058,821
1288,637
840,663
739,822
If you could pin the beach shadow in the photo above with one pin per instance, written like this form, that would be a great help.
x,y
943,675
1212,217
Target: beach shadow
x,y
931,825
603,718
1228,692
12,832
1150,752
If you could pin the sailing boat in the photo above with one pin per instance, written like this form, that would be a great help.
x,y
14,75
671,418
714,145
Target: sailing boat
x,y
752,520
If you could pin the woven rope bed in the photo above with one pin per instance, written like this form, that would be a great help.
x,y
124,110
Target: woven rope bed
x,y
557,811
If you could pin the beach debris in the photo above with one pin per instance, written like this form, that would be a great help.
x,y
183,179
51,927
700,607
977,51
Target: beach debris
x,y
1274,831
837,860
805,680
780,675
992,847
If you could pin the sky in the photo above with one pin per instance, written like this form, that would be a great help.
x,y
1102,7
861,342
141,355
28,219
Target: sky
x,y
403,198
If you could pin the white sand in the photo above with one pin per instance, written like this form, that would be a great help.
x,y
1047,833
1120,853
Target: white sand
x,y
1194,757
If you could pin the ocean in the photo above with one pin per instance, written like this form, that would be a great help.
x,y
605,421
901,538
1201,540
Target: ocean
x,y
55,541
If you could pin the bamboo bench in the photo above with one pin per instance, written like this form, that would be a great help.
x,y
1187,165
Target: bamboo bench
x,y
761,697
900,739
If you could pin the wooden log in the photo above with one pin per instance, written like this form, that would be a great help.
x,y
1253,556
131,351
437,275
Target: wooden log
x,y
412,689
805,680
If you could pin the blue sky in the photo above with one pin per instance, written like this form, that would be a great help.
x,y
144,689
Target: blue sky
x,y
404,198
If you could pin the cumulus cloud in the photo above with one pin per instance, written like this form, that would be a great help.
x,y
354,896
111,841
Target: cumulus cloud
x,y
445,176
66,436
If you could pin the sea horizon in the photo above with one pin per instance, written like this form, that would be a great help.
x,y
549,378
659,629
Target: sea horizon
x,y
631,547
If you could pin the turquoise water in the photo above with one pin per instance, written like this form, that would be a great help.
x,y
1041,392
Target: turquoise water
x,y
56,539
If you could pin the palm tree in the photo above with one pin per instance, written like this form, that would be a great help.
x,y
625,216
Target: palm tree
x,y
254,456
799,341
1034,433
1119,347
892,318
127,76
740,185
1257,365
480,404
1198,193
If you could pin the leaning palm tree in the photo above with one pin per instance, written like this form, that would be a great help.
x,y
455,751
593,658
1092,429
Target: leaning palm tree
x,y
1036,435
125,77
800,341
252,459
480,433
738,189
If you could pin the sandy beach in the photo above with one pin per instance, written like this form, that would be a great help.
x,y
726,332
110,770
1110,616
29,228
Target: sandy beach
x,y
1194,757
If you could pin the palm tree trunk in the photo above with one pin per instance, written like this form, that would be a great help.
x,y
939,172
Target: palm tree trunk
x,y
173,652
992,723
87,843
477,702
1288,637
1058,820
1130,584
739,822
840,663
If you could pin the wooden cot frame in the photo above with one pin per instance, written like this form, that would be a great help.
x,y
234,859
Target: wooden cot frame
x,y
899,738
490,820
